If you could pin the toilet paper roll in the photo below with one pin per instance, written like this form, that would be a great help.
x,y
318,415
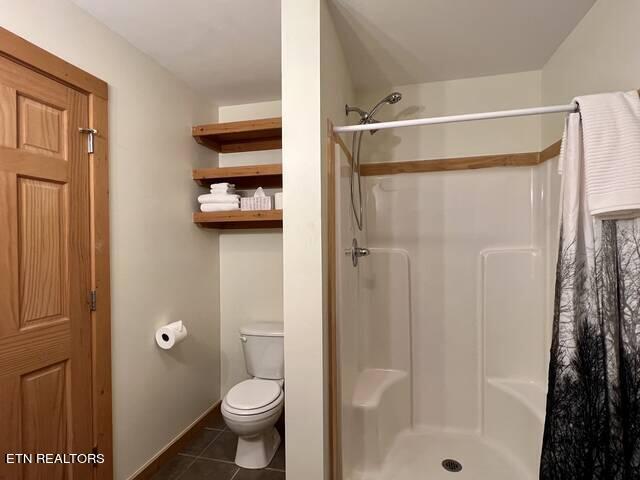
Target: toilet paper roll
x,y
169,335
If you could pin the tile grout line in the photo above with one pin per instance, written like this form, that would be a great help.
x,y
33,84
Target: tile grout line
x,y
220,432
197,457
187,467
230,462
201,457
235,474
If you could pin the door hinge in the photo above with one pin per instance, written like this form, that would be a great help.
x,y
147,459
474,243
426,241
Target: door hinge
x,y
91,133
93,300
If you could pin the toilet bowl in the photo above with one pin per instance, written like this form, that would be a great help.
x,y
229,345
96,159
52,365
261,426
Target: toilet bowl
x,y
252,407
250,410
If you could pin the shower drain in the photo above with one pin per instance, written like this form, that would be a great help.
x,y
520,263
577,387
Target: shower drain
x,y
451,465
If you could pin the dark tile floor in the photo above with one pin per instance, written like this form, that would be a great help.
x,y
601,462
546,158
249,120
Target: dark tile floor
x,y
210,456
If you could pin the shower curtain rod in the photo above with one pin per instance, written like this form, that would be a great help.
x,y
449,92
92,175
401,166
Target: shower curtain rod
x,y
573,107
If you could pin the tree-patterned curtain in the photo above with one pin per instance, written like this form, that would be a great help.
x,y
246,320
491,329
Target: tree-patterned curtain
x,y
592,427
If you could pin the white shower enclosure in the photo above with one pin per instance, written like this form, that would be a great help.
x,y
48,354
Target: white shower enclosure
x,y
443,330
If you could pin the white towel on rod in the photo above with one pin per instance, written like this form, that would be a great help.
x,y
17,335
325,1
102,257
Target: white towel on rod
x,y
219,198
218,207
611,148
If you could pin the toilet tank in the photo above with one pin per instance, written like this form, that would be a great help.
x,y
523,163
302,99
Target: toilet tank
x,y
263,346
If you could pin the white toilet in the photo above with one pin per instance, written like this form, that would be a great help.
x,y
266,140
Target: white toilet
x,y
252,407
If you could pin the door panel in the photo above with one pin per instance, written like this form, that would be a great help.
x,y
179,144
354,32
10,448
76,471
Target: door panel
x,y
45,274
45,417
42,263
42,128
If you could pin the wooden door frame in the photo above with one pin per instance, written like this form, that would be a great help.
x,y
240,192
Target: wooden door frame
x,y
35,58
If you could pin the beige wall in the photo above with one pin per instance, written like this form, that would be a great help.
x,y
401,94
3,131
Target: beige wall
x,y
250,261
315,84
163,268
600,55
302,240
481,94
336,91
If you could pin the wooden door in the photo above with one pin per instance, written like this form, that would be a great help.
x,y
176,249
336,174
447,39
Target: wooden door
x,y
45,275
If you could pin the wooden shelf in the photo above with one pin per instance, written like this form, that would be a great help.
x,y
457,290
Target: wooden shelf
x,y
238,219
251,176
246,136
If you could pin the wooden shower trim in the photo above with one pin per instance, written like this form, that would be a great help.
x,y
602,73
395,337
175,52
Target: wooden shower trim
x,y
462,163
451,164
336,139
35,58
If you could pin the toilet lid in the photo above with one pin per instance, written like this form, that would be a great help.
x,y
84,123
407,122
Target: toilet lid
x,y
252,394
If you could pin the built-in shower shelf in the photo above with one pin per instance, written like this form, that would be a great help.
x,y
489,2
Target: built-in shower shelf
x,y
239,219
245,136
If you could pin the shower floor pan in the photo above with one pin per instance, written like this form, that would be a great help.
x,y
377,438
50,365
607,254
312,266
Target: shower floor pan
x,y
420,455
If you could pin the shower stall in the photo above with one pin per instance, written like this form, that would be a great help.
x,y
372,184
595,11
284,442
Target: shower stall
x,y
442,317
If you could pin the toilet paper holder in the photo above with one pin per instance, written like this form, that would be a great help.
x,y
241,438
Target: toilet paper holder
x,y
169,335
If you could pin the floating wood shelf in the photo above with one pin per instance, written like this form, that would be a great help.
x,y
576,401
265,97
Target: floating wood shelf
x,y
251,176
246,136
238,219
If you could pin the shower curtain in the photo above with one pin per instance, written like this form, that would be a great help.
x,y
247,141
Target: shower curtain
x,y
592,426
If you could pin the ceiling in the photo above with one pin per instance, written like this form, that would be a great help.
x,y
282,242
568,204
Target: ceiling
x,y
414,41
229,50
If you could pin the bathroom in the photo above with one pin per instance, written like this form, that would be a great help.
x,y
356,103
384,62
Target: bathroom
x,y
430,358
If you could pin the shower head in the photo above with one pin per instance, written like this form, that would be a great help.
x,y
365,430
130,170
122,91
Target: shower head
x,y
365,117
390,99
394,97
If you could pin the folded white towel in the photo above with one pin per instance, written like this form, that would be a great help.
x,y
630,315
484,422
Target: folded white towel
x,y
219,198
222,186
218,207
223,192
611,133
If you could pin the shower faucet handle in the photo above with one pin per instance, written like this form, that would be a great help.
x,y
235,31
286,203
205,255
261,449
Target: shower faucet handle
x,y
356,252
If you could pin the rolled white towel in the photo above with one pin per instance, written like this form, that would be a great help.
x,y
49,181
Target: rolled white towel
x,y
219,198
218,207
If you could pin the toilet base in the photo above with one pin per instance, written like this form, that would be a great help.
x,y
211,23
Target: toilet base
x,y
257,451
